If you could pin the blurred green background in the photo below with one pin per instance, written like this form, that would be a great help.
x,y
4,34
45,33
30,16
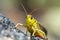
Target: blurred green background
x,y
48,13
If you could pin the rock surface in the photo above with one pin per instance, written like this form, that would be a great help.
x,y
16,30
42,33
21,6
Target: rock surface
x,y
7,30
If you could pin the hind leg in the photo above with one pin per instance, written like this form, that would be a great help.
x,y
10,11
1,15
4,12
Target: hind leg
x,y
41,33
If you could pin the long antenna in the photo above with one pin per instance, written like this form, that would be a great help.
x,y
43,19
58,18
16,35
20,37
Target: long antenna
x,y
34,10
24,8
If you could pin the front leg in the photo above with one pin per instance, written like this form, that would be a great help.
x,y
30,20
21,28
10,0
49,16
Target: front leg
x,y
19,24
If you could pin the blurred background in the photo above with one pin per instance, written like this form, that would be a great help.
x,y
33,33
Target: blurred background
x,y
48,14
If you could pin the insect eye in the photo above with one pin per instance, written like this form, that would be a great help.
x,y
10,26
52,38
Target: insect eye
x,y
31,18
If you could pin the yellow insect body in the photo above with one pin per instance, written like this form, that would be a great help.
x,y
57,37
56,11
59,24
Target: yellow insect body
x,y
32,26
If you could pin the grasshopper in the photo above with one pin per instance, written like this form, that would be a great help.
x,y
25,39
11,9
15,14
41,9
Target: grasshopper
x,y
33,26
